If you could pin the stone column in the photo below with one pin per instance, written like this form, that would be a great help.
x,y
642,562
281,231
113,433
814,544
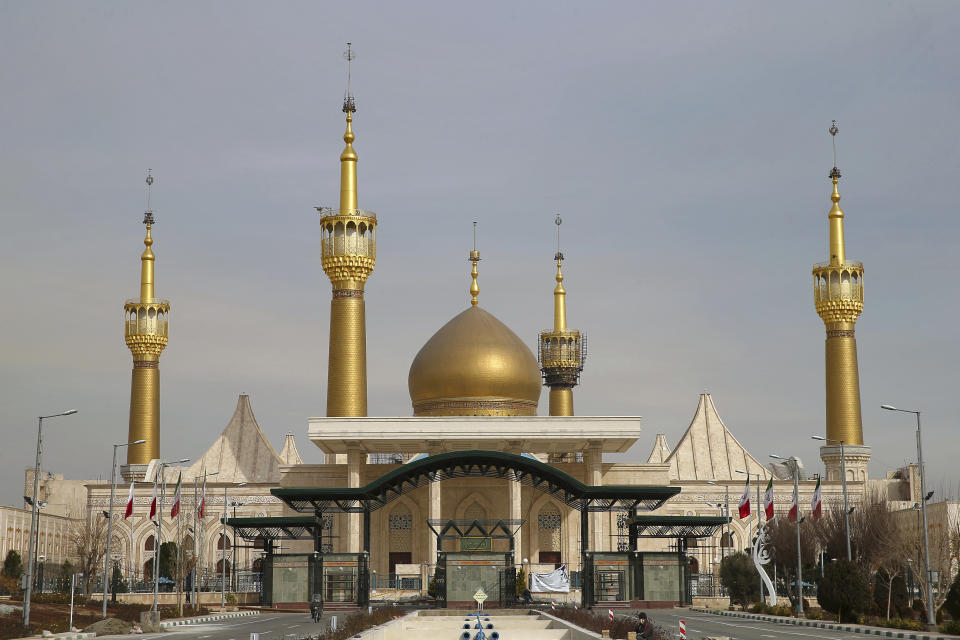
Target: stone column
x,y
433,513
516,513
355,457
592,459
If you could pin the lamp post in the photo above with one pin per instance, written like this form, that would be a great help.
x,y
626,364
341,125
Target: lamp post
x,y
33,512
156,544
233,573
931,621
726,514
796,499
113,487
223,544
843,474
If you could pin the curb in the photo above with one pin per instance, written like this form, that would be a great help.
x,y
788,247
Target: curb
x,y
867,631
201,619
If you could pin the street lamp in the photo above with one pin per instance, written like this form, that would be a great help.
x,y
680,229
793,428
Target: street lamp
x,y
843,474
223,544
726,513
113,487
156,541
33,512
931,621
796,500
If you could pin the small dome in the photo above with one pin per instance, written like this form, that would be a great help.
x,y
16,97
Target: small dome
x,y
474,365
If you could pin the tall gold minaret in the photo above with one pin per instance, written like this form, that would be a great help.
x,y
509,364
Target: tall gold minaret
x,y
145,327
838,296
562,351
348,254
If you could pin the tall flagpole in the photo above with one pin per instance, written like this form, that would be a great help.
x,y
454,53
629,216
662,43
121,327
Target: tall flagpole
x,y
193,569
179,561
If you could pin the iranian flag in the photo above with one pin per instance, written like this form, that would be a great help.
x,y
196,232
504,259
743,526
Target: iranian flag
x,y
816,502
768,500
793,514
176,498
203,497
129,510
153,503
745,500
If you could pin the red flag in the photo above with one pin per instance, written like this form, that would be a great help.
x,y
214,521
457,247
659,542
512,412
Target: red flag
x,y
201,510
816,502
129,510
153,503
176,498
745,500
768,500
793,514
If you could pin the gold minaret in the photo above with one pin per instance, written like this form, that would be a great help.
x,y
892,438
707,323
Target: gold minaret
x,y
562,351
838,296
348,254
145,327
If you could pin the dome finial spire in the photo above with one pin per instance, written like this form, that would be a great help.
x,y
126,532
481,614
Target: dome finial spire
x,y
474,258
147,258
559,293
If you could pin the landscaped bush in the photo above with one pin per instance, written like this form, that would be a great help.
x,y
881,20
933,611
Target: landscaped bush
x,y
359,622
597,622
778,610
952,627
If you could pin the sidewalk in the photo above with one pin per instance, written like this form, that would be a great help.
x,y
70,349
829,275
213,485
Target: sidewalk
x,y
835,626
164,624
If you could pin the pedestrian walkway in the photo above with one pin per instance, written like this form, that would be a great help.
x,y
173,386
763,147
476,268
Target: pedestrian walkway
x,y
862,629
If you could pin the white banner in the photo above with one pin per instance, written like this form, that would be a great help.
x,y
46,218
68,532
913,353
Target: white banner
x,y
557,581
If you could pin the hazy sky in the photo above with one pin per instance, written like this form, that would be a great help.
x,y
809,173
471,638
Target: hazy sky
x,y
684,144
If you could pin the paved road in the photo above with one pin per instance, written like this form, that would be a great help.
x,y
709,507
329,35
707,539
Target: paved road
x,y
704,624
270,626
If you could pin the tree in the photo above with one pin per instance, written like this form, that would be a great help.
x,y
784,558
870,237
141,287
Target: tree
x,y
13,565
89,538
521,582
66,575
783,547
890,591
739,576
952,602
844,590
118,584
168,560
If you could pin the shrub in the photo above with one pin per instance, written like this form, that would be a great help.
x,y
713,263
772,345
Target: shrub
x,y
952,602
739,576
845,590
952,627
815,614
13,565
9,586
359,622
231,599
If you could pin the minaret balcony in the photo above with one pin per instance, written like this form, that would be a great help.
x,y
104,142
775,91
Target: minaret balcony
x,y
838,290
348,233
146,318
562,350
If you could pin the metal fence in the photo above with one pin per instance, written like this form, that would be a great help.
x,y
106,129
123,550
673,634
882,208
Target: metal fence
x,y
393,581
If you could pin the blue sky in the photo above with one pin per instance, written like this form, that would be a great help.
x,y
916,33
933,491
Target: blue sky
x,y
684,144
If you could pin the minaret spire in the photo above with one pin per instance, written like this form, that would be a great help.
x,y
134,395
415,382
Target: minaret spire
x,y
562,352
838,297
348,254
146,329
474,258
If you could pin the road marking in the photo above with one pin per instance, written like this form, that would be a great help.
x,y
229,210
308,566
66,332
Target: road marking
x,y
204,636
293,626
263,633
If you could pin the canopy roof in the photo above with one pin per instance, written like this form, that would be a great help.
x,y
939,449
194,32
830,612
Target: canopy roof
x,y
275,528
653,526
488,464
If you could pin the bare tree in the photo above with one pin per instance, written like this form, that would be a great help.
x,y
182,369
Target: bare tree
x,y
941,557
891,541
783,544
89,538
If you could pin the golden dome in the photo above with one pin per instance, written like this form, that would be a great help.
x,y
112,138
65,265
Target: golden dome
x,y
474,366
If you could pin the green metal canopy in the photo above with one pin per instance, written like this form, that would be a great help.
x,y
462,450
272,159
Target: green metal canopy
x,y
275,528
651,526
488,464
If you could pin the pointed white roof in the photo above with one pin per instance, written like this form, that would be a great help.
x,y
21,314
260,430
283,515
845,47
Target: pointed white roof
x,y
660,449
290,454
241,453
708,451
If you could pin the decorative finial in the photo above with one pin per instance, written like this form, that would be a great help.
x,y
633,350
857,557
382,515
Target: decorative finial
x,y
349,105
558,221
148,214
474,258
835,172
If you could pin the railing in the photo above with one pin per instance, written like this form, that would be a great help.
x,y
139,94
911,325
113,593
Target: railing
x,y
349,245
852,266
328,212
393,581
